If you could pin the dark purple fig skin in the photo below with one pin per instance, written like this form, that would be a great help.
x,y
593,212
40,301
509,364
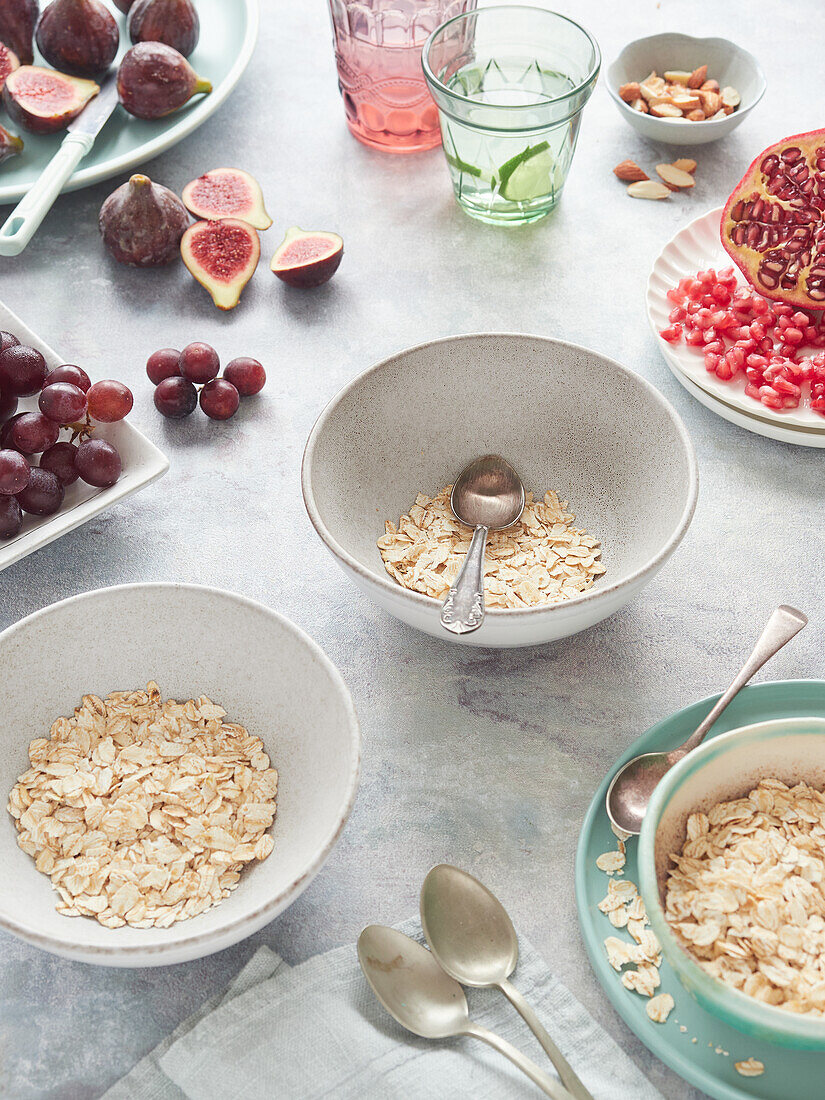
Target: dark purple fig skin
x,y
17,22
78,37
154,80
16,103
10,145
173,22
124,5
142,223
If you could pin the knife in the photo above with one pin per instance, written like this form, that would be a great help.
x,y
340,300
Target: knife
x,y
25,219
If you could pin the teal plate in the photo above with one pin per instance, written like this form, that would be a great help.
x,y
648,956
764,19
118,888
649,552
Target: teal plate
x,y
229,30
788,1073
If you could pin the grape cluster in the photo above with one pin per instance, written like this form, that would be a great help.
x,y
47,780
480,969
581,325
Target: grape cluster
x,y
176,374
67,400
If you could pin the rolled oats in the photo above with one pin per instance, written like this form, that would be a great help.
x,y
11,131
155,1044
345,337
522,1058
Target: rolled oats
x,y
751,1067
660,1007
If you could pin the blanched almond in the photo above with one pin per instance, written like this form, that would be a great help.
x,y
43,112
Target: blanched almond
x,y
676,76
696,116
686,102
665,110
697,77
730,97
721,113
648,189
686,164
674,177
640,105
629,92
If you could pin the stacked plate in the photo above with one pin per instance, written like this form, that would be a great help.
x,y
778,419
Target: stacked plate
x,y
693,249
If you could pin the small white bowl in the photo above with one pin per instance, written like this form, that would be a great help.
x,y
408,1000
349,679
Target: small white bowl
x,y
267,674
726,62
568,419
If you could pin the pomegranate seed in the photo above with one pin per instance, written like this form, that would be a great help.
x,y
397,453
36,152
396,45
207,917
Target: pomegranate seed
x,y
724,371
677,314
672,334
712,361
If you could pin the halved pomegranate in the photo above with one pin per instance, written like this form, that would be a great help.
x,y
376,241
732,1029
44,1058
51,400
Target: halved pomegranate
x,y
227,193
307,259
773,225
222,255
44,101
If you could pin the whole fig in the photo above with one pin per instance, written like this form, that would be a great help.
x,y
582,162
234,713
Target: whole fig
x,y
79,37
142,223
124,5
154,80
173,22
17,20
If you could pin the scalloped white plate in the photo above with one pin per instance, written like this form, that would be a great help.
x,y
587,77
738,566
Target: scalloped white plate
x,y
695,247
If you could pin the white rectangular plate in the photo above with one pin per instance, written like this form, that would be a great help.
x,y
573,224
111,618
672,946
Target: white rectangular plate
x,y
143,463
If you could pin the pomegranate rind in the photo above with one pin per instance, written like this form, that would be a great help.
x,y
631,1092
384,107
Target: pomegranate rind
x,y
307,259
44,116
220,237
227,193
751,187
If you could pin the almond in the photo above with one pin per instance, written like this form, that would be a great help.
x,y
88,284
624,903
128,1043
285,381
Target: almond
x,y
674,177
630,171
629,92
648,189
711,102
710,86
665,110
697,77
696,116
721,113
686,102
639,105
730,97
686,164
676,76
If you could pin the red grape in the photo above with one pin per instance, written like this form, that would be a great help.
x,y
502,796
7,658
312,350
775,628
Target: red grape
x,y
98,463
60,461
22,370
7,340
199,363
6,431
8,406
14,473
33,433
175,397
163,364
220,399
11,518
68,373
109,401
43,495
62,402
246,375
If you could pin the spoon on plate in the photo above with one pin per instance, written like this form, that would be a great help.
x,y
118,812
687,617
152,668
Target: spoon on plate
x,y
474,941
416,992
489,496
633,785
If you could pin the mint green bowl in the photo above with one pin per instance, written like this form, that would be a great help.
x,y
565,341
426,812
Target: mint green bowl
x,y
727,767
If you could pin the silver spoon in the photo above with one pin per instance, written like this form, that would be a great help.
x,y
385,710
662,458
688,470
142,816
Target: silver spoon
x,y
633,785
474,941
416,992
489,496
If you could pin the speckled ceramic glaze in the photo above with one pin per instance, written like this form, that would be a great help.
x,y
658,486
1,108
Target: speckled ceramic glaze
x,y
728,766
192,640
567,418
728,63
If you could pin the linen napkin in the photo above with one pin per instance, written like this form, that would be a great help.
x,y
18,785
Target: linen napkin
x,y
316,1030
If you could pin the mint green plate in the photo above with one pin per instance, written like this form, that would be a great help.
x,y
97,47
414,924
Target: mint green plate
x,y
229,29
789,1074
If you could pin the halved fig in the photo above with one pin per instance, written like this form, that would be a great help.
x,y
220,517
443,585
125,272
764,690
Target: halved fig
x,y
124,5
9,61
142,223
78,37
17,22
773,224
43,101
227,193
10,144
154,80
222,255
307,259
174,22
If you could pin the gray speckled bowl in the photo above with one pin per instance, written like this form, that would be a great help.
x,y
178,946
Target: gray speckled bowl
x,y
726,62
567,418
192,640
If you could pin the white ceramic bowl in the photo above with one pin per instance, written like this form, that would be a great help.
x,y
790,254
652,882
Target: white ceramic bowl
x,y
568,419
192,640
726,62
724,768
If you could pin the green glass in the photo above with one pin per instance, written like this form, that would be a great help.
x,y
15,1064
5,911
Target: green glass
x,y
510,84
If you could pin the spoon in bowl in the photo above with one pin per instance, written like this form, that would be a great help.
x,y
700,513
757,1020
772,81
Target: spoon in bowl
x,y
474,941
489,496
633,785
416,992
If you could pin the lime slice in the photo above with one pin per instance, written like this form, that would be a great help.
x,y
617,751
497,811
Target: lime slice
x,y
528,175
462,165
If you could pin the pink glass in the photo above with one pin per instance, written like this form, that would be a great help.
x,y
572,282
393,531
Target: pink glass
x,y
378,50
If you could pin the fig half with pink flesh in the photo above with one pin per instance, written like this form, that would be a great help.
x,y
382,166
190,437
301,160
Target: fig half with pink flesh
x,y
227,193
154,80
78,37
9,61
10,144
17,22
222,255
174,22
307,259
142,223
43,101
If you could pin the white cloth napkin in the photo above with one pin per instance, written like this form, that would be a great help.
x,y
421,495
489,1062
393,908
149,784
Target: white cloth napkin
x,y
316,1030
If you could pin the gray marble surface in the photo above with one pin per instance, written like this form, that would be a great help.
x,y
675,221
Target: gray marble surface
x,y
485,758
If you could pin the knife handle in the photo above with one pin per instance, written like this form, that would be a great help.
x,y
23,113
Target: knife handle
x,y
25,219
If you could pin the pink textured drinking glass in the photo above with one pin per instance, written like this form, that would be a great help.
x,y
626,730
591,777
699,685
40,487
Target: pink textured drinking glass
x,y
378,50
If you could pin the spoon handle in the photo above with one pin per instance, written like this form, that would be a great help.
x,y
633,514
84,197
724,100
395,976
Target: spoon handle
x,y
784,624
565,1071
463,610
547,1085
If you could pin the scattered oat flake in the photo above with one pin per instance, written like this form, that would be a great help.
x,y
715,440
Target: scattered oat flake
x,y
620,833
610,861
751,1067
660,1007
